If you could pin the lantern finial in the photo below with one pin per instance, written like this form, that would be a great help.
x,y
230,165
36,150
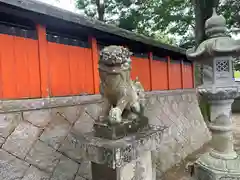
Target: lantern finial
x,y
216,25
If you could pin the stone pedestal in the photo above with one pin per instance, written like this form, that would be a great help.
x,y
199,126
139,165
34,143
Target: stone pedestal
x,y
222,162
123,159
208,167
119,130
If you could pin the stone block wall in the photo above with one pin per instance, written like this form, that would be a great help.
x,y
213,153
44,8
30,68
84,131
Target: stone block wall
x,y
187,131
40,138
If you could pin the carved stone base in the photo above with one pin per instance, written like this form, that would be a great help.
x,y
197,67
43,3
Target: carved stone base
x,y
114,132
115,153
139,169
127,158
208,167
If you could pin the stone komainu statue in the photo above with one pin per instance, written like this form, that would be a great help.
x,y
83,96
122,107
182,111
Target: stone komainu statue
x,y
123,98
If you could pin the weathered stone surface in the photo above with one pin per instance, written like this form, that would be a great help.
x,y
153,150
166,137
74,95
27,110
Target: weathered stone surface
x,y
83,124
35,174
53,102
8,122
22,139
187,129
128,171
71,146
129,148
93,110
39,118
65,170
85,170
86,119
80,178
143,169
71,113
11,168
56,131
44,103
2,140
43,157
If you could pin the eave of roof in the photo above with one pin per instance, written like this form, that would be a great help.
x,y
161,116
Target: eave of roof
x,y
52,11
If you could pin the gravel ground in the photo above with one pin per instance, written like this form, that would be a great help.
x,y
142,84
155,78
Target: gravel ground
x,y
179,173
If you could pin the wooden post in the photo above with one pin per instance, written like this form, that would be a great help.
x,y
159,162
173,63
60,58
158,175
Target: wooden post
x,y
94,47
168,71
43,60
182,74
150,58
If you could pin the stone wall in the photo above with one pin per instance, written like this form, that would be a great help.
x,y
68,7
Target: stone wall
x,y
38,137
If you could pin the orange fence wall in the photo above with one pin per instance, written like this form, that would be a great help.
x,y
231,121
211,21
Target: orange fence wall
x,y
140,69
70,70
159,74
175,78
19,67
188,76
37,67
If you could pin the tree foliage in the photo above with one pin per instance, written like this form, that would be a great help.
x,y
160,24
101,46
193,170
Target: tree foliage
x,y
133,15
230,10
161,18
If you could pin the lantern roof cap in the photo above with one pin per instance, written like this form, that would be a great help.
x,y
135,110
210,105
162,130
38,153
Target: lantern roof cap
x,y
218,42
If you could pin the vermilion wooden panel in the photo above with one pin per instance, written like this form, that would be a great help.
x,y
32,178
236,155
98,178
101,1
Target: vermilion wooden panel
x,y
75,71
19,67
188,76
33,68
175,75
70,70
159,75
81,73
59,70
8,72
140,69
90,85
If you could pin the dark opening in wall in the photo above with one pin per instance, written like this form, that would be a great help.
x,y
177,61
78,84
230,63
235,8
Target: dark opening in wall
x,y
67,39
16,26
68,34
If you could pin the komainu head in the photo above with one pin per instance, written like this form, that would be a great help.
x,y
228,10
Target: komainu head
x,y
114,56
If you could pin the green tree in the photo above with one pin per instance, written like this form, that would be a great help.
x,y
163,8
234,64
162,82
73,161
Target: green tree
x,y
132,15
230,10
154,17
148,17
109,11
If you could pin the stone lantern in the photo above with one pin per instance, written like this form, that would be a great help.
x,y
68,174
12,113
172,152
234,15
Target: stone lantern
x,y
216,54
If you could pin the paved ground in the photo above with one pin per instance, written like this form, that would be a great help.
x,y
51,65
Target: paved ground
x,y
179,173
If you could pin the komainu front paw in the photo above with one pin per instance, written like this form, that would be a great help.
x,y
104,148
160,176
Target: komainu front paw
x,y
115,115
136,108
